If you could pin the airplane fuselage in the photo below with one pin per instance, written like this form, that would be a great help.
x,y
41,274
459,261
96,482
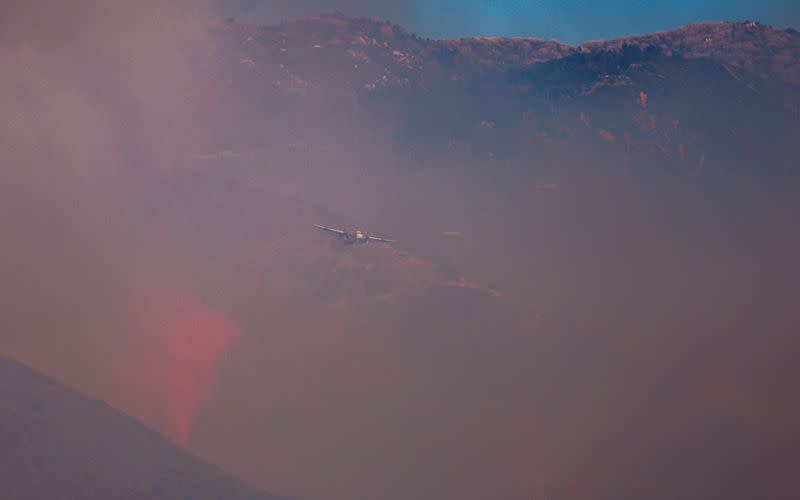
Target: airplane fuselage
x,y
355,237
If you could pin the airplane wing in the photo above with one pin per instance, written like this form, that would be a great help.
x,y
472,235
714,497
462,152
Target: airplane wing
x,y
337,231
382,240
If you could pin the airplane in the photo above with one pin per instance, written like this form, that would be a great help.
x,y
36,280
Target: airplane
x,y
356,236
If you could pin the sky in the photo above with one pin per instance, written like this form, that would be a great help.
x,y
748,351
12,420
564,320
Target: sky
x,y
569,21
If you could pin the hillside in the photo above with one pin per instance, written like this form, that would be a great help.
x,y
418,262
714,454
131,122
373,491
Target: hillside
x,y
361,46
713,104
752,47
60,444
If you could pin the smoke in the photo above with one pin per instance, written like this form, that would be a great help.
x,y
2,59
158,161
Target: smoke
x,y
640,322
107,107
275,11
99,94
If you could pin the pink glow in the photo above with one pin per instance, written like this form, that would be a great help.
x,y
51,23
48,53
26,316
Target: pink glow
x,y
179,349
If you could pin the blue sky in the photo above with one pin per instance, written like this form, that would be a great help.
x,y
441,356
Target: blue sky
x,y
573,21
570,21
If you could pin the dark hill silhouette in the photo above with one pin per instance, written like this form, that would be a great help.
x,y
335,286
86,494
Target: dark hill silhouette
x,y
59,444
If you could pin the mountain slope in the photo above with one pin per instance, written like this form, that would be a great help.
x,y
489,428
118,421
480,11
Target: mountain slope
x,y
711,104
60,444
365,49
749,46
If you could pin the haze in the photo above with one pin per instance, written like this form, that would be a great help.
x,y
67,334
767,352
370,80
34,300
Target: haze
x,y
555,323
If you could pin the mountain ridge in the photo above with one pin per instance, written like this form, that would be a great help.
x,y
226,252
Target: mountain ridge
x,y
638,100
695,39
